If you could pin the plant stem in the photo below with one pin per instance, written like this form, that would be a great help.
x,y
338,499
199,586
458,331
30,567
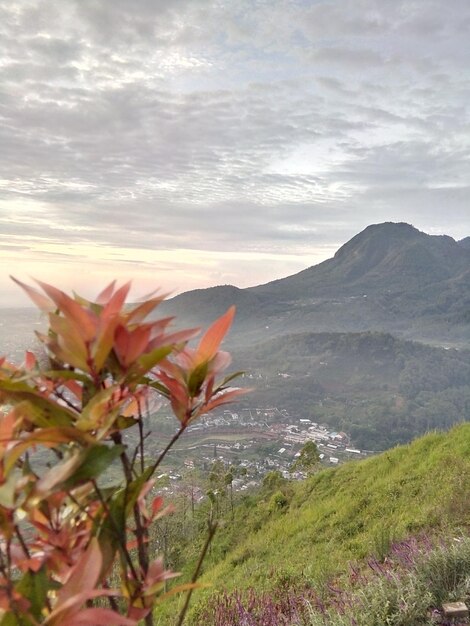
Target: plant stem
x,y
121,540
174,439
197,571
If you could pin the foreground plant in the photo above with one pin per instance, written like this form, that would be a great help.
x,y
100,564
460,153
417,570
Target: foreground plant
x,y
67,531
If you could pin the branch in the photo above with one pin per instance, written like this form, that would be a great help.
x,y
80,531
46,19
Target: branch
x,y
197,571
174,439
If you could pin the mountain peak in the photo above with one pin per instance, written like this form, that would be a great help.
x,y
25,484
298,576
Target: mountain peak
x,y
391,256
400,228
381,236
378,245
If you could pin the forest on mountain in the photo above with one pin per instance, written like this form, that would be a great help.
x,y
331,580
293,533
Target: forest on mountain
x,y
379,389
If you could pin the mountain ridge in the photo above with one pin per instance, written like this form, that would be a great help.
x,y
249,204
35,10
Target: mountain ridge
x,y
389,277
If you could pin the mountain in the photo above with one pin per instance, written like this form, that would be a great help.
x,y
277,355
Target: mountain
x,y
382,257
390,277
337,342
465,243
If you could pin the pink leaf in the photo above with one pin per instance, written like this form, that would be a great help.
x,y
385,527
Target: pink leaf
x,y
38,298
99,617
84,575
106,294
212,339
223,398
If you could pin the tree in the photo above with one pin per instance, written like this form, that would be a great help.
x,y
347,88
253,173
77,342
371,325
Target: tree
x,y
273,480
309,459
228,481
69,529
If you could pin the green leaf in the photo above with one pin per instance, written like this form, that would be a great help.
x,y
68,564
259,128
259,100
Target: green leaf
x,y
162,390
124,422
39,410
96,411
112,533
134,488
34,587
94,462
10,619
149,360
197,378
66,375
227,379
7,492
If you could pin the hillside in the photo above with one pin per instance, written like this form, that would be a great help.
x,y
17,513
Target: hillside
x,y
342,515
379,389
390,277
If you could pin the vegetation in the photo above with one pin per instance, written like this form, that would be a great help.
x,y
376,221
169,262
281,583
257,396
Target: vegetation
x,y
308,460
408,590
381,541
78,507
306,534
380,390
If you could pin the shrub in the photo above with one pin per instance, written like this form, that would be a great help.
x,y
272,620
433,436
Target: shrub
x,y
446,571
66,531
278,501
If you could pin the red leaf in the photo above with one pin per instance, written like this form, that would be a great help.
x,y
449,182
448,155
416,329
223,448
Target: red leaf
x,y
212,339
82,318
180,336
141,311
157,505
106,294
38,298
129,345
30,360
74,387
115,304
85,574
63,614
100,617
176,389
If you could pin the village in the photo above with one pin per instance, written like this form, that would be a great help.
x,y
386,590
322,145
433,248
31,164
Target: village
x,y
252,442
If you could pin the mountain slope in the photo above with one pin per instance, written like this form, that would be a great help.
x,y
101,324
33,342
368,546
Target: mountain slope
x,y
343,514
390,277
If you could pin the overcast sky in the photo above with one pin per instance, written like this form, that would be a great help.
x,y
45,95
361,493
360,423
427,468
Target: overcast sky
x,y
188,143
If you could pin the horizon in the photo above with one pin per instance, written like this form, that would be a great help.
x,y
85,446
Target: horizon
x,y
27,302
193,144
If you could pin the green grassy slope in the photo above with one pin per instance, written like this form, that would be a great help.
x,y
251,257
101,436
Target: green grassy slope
x,y
344,514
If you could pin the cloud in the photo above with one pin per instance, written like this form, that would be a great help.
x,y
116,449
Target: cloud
x,y
277,127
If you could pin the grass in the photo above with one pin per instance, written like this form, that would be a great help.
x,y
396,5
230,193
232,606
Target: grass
x,y
407,590
343,515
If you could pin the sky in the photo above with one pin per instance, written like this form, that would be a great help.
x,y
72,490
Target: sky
x,y
190,143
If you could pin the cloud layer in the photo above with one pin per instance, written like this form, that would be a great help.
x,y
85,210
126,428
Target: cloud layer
x,y
207,141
